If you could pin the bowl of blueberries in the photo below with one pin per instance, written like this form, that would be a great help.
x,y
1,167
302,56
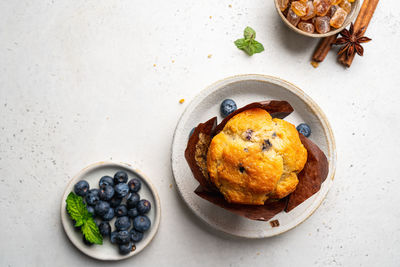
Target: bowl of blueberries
x,y
110,211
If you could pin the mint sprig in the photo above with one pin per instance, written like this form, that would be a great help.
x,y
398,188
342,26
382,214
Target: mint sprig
x,y
248,44
77,211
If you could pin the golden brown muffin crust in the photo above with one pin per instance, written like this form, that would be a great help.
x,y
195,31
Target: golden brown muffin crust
x,y
255,157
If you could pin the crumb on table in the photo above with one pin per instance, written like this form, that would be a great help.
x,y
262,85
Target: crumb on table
x,y
154,65
209,56
182,100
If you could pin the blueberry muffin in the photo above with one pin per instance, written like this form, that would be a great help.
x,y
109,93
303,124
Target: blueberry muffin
x,y
255,158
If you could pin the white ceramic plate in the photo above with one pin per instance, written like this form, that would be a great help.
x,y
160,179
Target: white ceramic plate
x,y
245,89
92,175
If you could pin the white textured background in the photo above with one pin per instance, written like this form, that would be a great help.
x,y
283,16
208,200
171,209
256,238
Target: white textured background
x,y
78,85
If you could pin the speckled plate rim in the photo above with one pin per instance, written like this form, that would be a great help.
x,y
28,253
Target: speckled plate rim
x,y
291,88
157,208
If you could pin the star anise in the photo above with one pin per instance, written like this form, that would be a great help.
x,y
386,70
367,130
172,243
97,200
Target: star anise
x,y
352,41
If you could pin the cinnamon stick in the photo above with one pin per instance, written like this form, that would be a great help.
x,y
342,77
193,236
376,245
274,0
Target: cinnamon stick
x,y
322,50
364,17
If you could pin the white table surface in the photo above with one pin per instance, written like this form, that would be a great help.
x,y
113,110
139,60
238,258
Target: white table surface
x,y
86,81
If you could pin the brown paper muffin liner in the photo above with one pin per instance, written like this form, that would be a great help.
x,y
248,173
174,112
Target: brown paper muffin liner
x,y
310,178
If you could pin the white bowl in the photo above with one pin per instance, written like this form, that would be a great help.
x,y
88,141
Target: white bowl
x,y
355,8
92,175
245,89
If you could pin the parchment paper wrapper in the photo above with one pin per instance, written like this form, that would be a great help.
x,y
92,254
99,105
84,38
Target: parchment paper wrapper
x,y
310,178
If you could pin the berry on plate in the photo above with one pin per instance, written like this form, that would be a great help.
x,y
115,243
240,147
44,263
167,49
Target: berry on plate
x,y
126,248
133,213
121,190
81,188
106,180
102,208
134,185
143,206
304,129
109,215
141,223
121,210
136,236
105,228
132,200
120,177
122,223
227,107
106,193
123,237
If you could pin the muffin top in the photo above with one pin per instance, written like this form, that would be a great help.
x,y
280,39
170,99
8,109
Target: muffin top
x,y
255,158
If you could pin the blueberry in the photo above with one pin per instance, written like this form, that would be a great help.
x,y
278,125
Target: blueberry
x,y
121,190
113,237
101,208
136,236
123,237
115,201
81,188
120,177
109,215
90,209
122,223
132,200
86,242
143,206
141,223
304,129
94,191
191,132
134,185
106,192
106,180
105,228
133,213
227,107
121,210
126,248
92,198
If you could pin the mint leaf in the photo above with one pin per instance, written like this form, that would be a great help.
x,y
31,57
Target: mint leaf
x,y
76,207
248,44
258,47
91,232
249,33
241,43
249,50
79,222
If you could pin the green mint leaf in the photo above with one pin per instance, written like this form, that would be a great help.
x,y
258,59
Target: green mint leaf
x,y
79,222
78,212
248,44
249,33
241,43
258,47
76,207
249,50
91,232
